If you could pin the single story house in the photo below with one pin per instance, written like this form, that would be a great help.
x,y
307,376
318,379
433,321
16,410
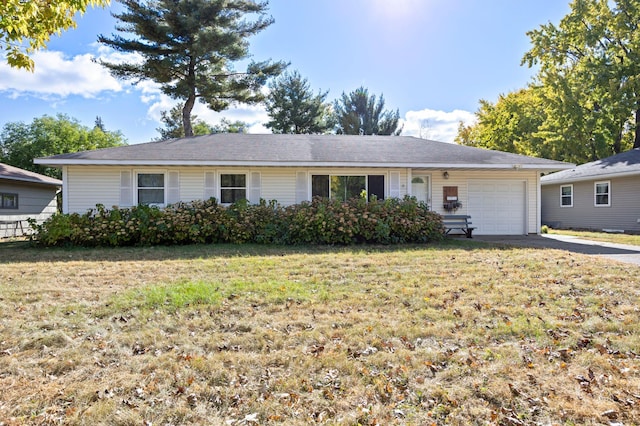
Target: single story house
x,y
601,195
25,195
501,191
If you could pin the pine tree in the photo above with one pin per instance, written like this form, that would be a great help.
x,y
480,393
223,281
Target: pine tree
x,y
189,47
359,113
293,108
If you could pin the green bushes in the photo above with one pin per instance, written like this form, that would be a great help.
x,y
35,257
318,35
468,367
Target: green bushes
x,y
320,221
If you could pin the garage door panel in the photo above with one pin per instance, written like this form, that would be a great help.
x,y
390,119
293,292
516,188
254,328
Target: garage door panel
x,y
497,207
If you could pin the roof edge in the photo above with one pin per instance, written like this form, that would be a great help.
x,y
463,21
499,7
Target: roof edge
x,y
588,178
82,162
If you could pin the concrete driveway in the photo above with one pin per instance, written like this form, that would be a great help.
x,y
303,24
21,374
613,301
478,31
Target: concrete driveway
x,y
620,252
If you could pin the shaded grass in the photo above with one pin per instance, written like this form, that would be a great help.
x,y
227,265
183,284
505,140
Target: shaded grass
x,y
601,236
455,333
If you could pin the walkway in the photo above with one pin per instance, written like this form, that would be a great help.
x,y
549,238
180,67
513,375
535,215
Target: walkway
x,y
620,252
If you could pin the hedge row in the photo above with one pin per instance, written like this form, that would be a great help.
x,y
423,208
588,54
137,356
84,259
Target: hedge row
x,y
320,221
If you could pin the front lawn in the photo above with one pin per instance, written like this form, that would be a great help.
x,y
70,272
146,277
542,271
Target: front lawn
x,y
450,333
601,236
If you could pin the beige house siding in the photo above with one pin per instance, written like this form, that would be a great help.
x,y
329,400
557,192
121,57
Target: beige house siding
x,y
622,214
34,202
87,186
461,180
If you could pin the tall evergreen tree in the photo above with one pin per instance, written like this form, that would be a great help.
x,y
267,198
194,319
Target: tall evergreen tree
x,y
173,125
293,108
189,47
359,113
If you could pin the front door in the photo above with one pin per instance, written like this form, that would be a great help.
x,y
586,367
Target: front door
x,y
421,188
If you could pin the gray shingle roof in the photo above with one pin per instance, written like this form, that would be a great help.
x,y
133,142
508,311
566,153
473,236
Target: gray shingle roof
x,y
304,150
8,172
623,164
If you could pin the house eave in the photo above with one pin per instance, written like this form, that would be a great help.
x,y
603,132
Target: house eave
x,y
296,164
590,178
31,181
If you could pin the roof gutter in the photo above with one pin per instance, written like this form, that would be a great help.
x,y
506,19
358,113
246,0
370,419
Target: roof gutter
x,y
235,163
590,177
36,182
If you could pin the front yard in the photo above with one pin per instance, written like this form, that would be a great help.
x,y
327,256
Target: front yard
x,y
451,333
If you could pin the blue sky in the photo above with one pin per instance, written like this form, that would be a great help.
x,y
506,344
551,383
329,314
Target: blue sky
x,y
431,59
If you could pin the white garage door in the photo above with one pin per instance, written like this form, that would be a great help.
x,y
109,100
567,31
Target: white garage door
x,y
497,207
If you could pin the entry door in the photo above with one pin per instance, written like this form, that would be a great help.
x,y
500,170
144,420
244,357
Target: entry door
x,y
421,188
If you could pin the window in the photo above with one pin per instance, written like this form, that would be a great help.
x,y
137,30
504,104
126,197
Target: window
x,y
150,188
8,201
566,196
346,187
233,187
602,193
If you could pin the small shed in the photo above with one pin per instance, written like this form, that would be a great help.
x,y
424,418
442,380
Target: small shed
x,y
25,195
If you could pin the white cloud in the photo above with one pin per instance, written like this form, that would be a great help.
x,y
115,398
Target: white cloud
x,y
436,125
58,76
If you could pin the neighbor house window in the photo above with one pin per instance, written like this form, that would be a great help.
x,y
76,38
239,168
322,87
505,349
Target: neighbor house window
x,y
602,193
151,188
566,195
8,201
233,187
345,187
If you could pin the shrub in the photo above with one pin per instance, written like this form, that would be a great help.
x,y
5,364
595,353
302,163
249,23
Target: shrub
x,y
319,221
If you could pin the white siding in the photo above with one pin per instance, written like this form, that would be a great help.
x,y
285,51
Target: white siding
x,y
88,186
460,178
279,184
191,183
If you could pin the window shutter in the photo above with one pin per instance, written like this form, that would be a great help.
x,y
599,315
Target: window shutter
x,y
209,185
301,187
394,185
126,189
255,191
173,187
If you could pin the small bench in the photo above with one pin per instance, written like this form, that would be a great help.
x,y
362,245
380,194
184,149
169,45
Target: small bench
x,y
12,226
457,222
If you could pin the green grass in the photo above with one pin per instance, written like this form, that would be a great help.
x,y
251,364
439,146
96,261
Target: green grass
x,y
601,236
455,333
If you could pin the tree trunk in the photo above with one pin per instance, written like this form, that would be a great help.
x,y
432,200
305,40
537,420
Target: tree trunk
x,y
186,115
636,140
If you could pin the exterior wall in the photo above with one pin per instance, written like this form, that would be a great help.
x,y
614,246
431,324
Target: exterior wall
x,y
622,214
87,186
460,178
34,202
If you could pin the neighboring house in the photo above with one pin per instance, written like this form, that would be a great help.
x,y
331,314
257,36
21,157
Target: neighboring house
x,y
601,195
25,195
501,191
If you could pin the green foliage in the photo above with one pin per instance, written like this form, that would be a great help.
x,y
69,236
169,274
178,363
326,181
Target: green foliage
x,y
20,143
510,125
34,22
189,48
359,113
293,108
320,221
584,103
173,127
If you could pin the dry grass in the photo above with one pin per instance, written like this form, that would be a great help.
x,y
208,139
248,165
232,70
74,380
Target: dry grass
x,y
456,333
601,236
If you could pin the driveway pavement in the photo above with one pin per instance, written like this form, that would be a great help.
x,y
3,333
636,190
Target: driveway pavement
x,y
620,252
